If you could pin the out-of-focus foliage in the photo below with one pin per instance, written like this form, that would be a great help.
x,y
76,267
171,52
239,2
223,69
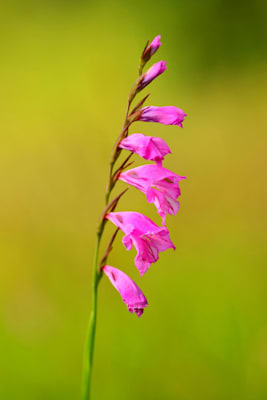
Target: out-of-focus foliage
x,y
65,71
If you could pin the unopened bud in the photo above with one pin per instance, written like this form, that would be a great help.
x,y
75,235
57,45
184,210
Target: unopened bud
x,y
151,49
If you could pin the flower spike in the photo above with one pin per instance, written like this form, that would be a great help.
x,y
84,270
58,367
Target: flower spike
x,y
160,186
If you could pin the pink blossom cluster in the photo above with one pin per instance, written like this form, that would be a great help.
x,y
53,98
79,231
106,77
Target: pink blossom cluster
x,y
160,186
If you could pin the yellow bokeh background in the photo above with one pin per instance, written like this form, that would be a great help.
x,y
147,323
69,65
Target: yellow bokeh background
x,y
65,72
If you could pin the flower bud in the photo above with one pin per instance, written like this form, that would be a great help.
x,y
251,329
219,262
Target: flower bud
x,y
168,115
151,49
152,73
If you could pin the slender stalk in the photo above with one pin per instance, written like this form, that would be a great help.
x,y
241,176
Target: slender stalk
x,y
89,349
97,273
90,340
116,152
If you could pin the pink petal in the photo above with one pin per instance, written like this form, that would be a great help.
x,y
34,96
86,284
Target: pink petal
x,y
160,186
147,147
152,73
131,294
148,238
152,48
168,115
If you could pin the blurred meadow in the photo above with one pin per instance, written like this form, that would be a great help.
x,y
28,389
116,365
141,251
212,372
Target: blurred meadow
x,y
65,72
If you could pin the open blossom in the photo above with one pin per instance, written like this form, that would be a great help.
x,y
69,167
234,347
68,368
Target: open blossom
x,y
131,294
168,115
147,237
160,186
147,147
151,48
151,74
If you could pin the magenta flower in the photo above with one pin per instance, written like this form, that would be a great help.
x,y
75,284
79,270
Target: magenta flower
x,y
152,73
160,186
151,49
131,294
147,237
147,147
168,115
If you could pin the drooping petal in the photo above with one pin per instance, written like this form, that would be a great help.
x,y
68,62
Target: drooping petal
x,y
152,73
164,203
160,186
168,115
148,238
131,294
147,147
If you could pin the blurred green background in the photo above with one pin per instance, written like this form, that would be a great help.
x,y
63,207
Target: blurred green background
x,y
65,72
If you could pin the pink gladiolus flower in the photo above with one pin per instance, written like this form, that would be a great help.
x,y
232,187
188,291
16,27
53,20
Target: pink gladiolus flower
x,y
169,115
147,147
151,49
147,237
160,186
131,294
151,74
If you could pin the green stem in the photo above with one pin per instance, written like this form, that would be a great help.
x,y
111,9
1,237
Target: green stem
x,y
89,349
115,152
